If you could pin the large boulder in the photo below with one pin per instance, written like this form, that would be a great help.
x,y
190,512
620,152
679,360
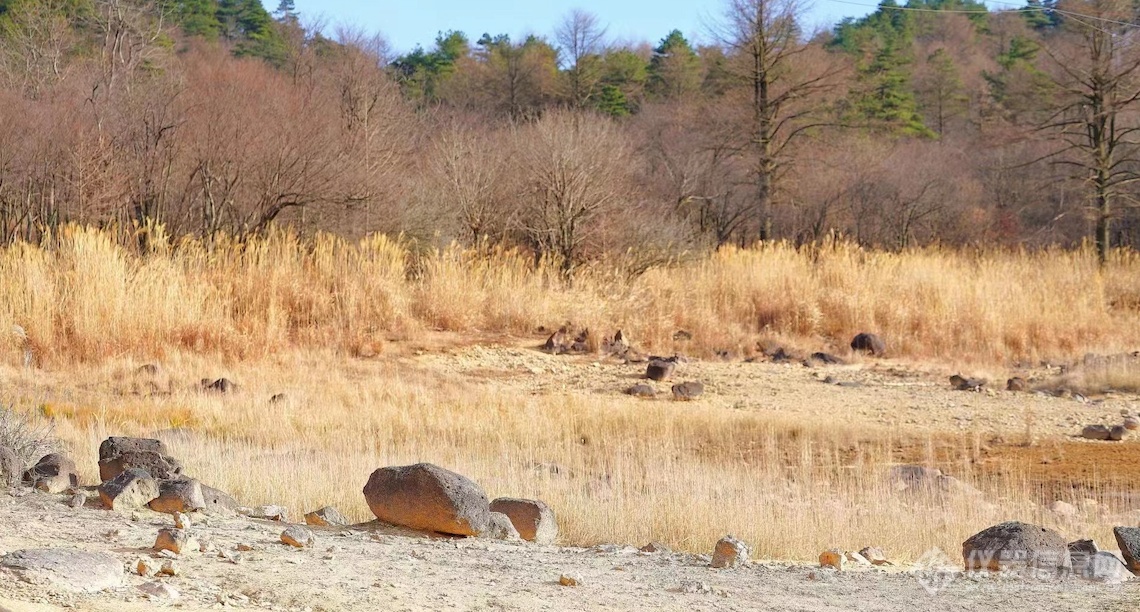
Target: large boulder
x,y
117,445
869,343
1017,547
533,519
178,495
70,570
218,500
54,473
157,465
118,454
130,490
428,498
1128,538
11,467
729,552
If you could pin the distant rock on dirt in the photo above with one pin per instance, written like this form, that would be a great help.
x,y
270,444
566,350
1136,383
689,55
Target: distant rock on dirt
x,y
1016,384
533,519
869,343
1017,547
71,570
642,391
178,495
1096,432
688,391
961,383
660,369
220,385
428,498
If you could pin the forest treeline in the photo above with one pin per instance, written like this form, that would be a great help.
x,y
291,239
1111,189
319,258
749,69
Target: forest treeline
x,y
938,121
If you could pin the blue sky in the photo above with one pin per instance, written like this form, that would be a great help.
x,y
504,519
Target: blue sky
x,y
408,23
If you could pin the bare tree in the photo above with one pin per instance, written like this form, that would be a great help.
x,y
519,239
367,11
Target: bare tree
x,y
468,169
37,40
787,82
1094,65
574,168
580,37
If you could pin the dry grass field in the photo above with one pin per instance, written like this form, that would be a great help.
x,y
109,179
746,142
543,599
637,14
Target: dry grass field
x,y
390,354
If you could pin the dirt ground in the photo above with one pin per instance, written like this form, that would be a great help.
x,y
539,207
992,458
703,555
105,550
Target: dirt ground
x,y
368,568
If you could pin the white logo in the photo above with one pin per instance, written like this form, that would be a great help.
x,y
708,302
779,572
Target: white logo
x,y
935,570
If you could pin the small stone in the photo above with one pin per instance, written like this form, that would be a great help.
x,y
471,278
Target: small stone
x,y
146,567
182,520
78,500
298,537
231,556
326,517
660,369
1117,433
654,547
175,540
159,590
729,552
1132,423
858,559
832,558
243,547
567,580
170,568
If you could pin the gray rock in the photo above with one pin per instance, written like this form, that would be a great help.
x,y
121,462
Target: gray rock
x,y
72,570
869,343
533,519
1117,433
1128,538
660,370
117,445
326,517
298,537
178,495
130,490
960,383
429,498
499,527
688,391
1017,547
641,390
159,466
218,500
1096,432
1016,384
54,473
1101,567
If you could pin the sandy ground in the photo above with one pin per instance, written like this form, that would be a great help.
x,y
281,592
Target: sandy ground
x,y
366,567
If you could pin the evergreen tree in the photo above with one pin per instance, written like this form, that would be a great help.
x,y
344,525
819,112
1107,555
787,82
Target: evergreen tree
x,y
675,68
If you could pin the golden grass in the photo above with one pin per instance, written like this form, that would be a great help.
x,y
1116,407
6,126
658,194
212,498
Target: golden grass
x,y
282,314
630,471
81,296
